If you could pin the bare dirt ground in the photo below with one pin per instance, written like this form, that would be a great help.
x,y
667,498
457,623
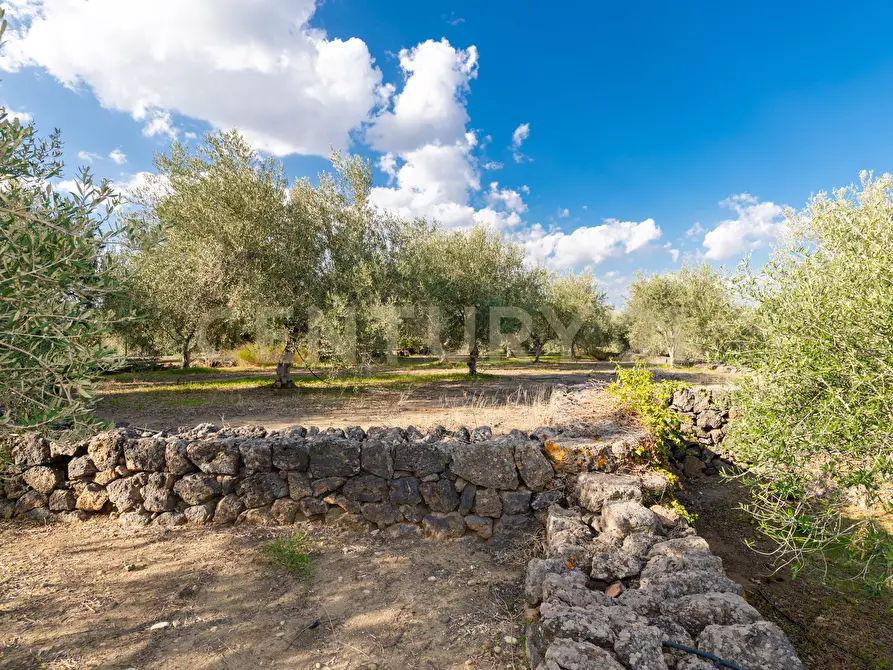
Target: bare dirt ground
x,y
509,396
69,600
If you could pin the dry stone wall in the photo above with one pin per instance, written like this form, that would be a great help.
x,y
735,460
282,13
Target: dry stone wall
x,y
622,583
445,483
706,413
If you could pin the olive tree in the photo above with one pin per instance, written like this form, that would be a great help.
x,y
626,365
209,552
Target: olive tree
x,y
680,314
817,411
57,274
462,276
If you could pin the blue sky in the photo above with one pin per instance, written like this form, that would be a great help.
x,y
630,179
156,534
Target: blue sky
x,y
633,122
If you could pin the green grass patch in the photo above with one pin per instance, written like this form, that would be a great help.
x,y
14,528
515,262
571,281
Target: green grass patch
x,y
292,553
346,383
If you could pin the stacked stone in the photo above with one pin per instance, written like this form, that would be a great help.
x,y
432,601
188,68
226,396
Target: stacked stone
x,y
445,483
706,414
620,579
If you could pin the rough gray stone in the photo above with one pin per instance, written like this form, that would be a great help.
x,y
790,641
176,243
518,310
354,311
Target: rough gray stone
x,y
92,499
31,450
196,488
537,570
261,489
326,485
515,502
145,454
481,525
640,648
512,528
571,589
81,467
67,449
482,434
257,455
176,459
466,498
566,654
349,506
627,517
215,457
487,503
291,455
313,507
594,489
334,457
377,457
422,458
169,519
135,519
125,493
299,485
444,526
285,511
228,509
157,493
761,645
488,464
696,612
440,496
366,488
106,449
199,514
693,467
405,491
382,514
546,499
670,585
42,479
611,562
575,623
535,469
30,501
62,501
413,513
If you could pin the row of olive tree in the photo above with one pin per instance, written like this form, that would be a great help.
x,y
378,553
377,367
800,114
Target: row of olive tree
x,y
224,247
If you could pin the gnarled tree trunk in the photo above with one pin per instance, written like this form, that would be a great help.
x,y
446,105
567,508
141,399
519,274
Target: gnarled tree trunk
x,y
283,367
473,361
186,352
537,351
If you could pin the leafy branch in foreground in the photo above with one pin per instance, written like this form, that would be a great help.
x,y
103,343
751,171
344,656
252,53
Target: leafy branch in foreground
x,y
56,274
817,412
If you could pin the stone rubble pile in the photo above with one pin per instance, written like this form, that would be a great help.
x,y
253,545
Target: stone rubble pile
x,y
445,483
620,579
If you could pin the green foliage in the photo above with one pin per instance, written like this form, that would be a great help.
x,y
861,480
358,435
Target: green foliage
x,y
259,353
636,390
57,276
818,409
680,509
292,553
683,314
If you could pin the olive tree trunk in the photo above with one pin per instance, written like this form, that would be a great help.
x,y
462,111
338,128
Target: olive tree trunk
x,y
537,351
473,361
286,361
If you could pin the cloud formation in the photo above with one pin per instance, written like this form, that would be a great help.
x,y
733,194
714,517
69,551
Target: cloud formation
x,y
587,246
757,224
214,60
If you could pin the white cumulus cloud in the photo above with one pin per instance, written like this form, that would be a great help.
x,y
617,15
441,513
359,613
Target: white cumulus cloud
x,y
587,246
520,134
88,156
757,224
12,115
118,156
254,65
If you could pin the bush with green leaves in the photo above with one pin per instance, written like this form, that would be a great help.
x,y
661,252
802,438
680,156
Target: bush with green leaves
x,y
817,411
636,390
57,274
